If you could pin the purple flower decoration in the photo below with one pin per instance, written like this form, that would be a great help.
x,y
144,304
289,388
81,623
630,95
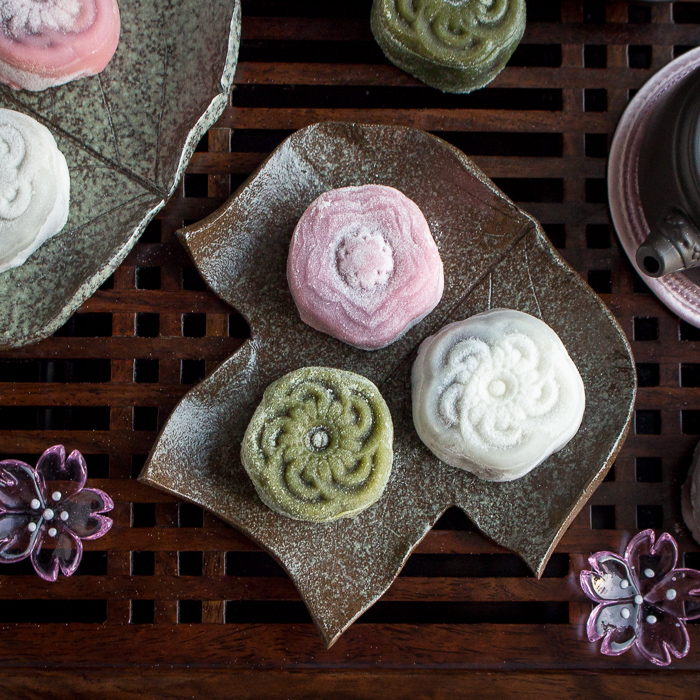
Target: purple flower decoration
x,y
46,511
643,599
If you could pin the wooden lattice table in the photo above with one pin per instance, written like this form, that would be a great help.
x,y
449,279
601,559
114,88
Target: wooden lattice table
x,y
175,603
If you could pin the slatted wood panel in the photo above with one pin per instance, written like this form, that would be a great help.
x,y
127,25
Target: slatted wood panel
x,y
172,586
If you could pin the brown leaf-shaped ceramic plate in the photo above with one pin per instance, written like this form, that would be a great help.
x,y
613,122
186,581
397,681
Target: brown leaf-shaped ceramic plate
x,y
494,256
128,135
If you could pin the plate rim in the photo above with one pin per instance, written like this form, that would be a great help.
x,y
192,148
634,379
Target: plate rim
x,y
88,287
675,291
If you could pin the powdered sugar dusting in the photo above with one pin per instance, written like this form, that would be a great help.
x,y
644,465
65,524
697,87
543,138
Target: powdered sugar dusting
x,y
46,43
365,260
15,191
496,394
319,446
363,265
34,187
19,17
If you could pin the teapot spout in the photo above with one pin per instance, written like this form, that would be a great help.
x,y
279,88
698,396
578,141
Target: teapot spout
x,y
672,246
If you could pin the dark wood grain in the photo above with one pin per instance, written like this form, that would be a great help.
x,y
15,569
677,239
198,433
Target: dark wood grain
x,y
297,647
391,76
345,685
164,581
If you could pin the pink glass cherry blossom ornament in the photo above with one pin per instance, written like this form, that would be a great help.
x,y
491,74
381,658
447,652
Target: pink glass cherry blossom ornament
x,y
643,599
46,512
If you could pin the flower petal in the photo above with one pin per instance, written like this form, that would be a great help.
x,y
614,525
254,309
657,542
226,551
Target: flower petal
x,y
678,594
66,476
44,559
16,541
49,463
61,552
646,556
69,551
85,510
18,486
618,633
667,634
606,580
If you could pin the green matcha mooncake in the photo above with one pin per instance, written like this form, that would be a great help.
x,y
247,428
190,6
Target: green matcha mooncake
x,y
319,446
452,45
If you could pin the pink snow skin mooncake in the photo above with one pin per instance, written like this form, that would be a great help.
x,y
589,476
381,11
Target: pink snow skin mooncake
x,y
45,43
363,266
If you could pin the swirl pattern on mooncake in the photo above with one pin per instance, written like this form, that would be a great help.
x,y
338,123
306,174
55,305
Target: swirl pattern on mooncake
x,y
496,394
319,446
363,265
454,45
45,43
21,17
34,187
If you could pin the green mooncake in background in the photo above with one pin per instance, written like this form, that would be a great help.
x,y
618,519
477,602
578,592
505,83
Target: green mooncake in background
x,y
320,445
453,45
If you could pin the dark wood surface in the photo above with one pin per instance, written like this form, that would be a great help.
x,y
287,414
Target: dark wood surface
x,y
172,603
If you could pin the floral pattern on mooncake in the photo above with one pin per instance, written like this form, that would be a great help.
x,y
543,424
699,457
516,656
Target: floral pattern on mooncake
x,y
46,43
20,17
34,187
496,394
453,45
319,446
491,392
363,265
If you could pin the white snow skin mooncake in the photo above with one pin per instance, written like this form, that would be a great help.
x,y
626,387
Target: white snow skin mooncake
x,y
34,187
496,394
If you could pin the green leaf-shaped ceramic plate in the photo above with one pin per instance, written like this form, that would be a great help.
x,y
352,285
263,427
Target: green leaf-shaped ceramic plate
x,y
128,135
494,255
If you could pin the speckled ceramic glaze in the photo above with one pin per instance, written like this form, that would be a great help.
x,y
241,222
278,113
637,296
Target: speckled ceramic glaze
x,y
127,135
494,256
